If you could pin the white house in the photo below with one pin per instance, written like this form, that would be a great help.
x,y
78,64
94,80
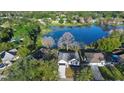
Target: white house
x,y
66,59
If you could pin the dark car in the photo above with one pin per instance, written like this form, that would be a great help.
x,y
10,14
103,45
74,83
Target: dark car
x,y
115,58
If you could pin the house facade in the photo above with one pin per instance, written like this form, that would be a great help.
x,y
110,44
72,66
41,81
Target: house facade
x,y
66,59
95,58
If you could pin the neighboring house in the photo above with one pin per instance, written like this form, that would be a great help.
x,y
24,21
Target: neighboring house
x,y
121,58
13,51
95,58
42,21
39,55
74,21
120,54
81,20
8,57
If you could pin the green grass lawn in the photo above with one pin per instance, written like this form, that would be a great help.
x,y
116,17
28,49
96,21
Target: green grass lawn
x,y
111,73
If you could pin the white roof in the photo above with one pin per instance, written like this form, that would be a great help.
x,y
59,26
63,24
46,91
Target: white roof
x,y
13,50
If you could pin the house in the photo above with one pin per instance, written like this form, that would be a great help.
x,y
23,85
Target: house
x,y
81,20
74,21
121,58
95,58
42,21
71,57
13,51
66,59
8,57
120,54
39,55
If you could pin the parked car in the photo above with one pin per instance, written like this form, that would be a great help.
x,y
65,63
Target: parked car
x,y
115,58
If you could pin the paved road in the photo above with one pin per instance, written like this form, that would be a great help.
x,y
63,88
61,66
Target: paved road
x,y
96,73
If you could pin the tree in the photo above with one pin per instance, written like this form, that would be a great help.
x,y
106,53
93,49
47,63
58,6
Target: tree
x,y
48,42
66,41
122,38
108,44
32,70
6,46
23,52
69,72
33,35
6,34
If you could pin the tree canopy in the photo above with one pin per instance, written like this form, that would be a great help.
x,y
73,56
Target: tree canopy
x,y
26,70
108,44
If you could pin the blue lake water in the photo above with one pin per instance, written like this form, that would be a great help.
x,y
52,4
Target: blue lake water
x,y
86,35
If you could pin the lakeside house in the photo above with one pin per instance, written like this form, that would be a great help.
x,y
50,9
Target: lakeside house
x,y
117,21
71,57
94,57
66,59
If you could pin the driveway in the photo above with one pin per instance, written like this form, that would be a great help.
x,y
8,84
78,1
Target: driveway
x,y
96,73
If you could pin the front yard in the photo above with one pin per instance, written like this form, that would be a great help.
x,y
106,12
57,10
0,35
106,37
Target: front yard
x,y
111,73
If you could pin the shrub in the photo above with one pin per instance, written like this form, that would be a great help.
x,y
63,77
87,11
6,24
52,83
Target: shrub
x,y
23,52
69,72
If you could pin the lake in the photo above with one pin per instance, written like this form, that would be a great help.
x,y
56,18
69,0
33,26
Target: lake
x,y
86,35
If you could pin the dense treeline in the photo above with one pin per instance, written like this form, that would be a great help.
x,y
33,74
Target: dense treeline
x,y
53,14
